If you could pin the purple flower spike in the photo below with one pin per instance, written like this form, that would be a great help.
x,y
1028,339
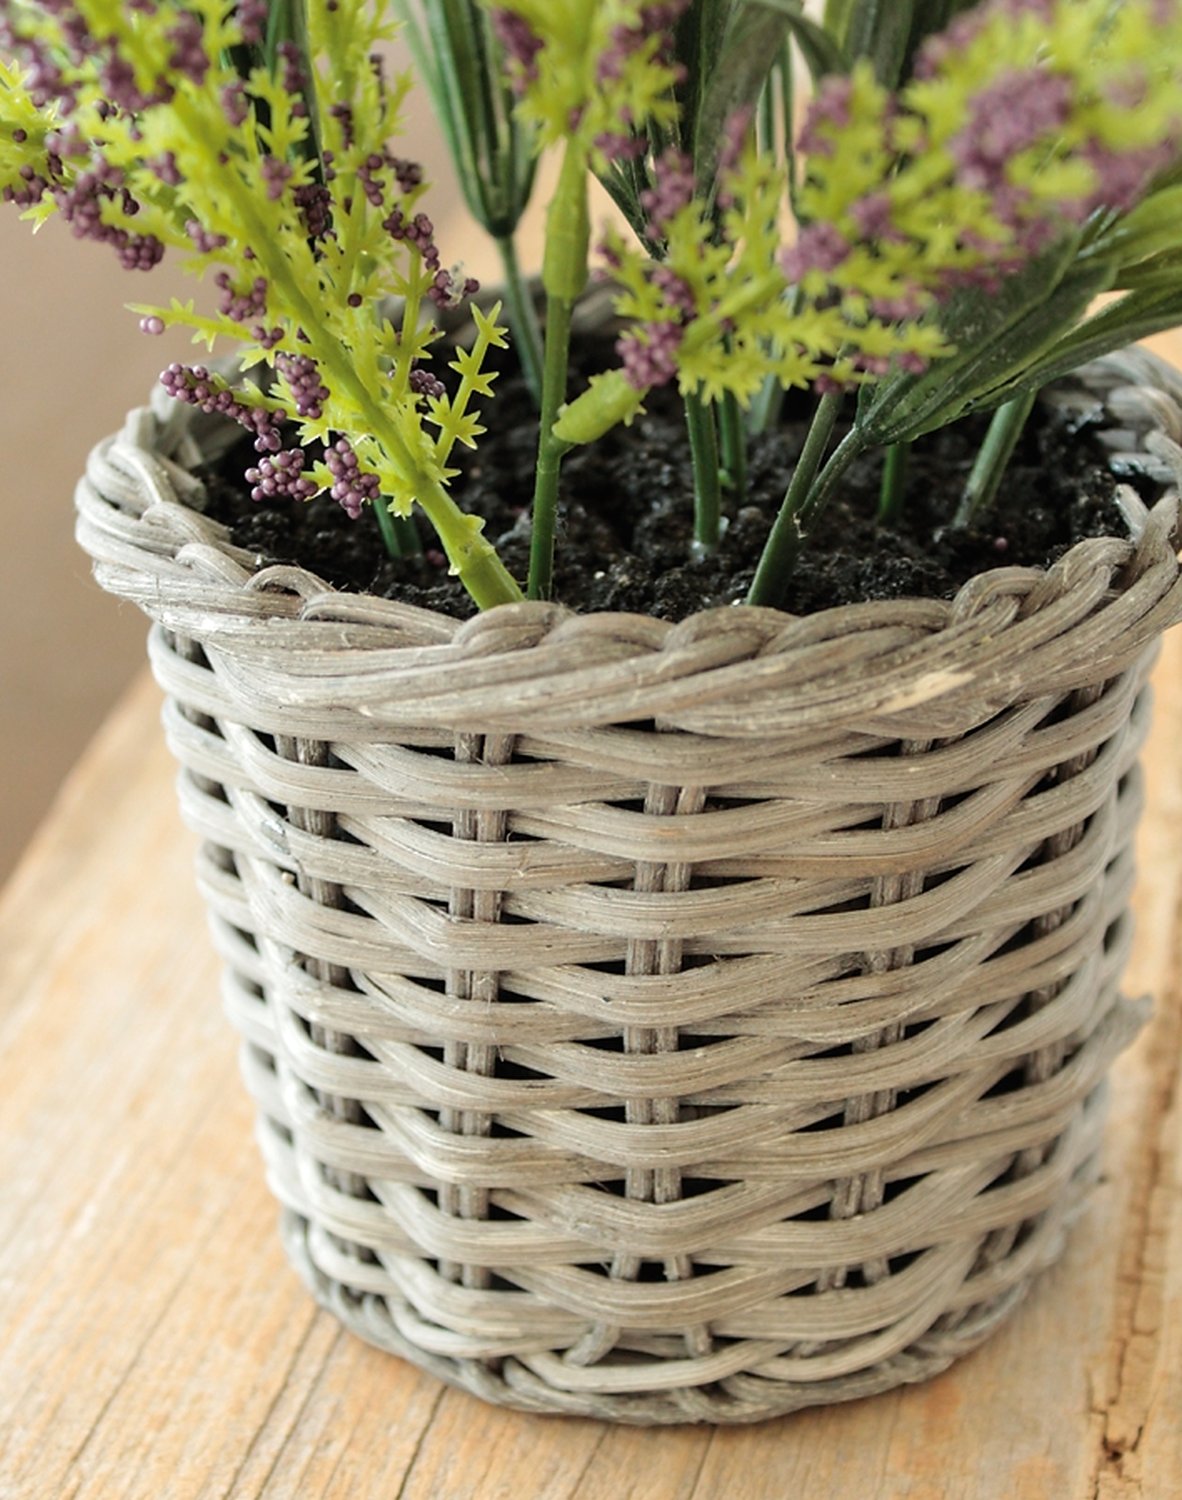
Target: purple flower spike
x,y
234,103
314,202
241,303
734,136
657,20
1012,114
821,247
188,54
830,106
522,45
252,19
675,289
650,355
203,239
275,174
352,487
672,190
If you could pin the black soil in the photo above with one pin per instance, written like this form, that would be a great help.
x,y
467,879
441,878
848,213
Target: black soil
x,y
625,525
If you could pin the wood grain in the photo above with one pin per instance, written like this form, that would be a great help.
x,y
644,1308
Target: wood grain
x,y
156,1343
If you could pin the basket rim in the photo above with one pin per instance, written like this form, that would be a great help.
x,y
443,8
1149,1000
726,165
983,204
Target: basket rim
x,y
288,638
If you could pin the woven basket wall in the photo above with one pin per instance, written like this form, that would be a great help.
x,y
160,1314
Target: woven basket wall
x,y
665,1023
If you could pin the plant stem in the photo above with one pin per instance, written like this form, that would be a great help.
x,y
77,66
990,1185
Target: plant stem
x,y
564,275
894,481
983,483
800,502
523,317
399,533
550,449
703,438
734,447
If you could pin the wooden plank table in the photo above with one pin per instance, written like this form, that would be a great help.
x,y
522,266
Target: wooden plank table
x,y
153,1342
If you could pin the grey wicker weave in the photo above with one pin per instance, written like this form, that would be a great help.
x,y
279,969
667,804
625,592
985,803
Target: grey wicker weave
x,y
664,1023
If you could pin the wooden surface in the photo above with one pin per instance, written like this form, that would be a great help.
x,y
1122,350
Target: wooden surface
x,y
153,1342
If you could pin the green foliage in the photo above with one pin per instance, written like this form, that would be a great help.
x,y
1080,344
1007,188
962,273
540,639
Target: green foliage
x,y
960,199
572,99
238,180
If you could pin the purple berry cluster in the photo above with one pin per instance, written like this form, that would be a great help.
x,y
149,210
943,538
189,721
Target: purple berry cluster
x,y
196,386
248,305
352,487
448,287
81,205
423,383
301,375
280,476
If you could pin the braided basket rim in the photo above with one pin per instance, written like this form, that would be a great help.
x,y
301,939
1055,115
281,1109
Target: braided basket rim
x,y
735,671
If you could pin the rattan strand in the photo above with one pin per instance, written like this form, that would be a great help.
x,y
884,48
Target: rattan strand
x,y
664,1022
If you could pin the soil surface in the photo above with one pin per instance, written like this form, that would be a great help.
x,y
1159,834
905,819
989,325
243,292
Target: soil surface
x,y
625,524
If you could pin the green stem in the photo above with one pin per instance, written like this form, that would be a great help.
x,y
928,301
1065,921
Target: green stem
x,y
699,421
523,317
564,275
894,481
983,483
399,533
734,447
550,449
800,502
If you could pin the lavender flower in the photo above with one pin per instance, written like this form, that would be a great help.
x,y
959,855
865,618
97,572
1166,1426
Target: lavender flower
x,y
203,239
656,20
1013,113
830,106
276,175
81,204
234,103
295,80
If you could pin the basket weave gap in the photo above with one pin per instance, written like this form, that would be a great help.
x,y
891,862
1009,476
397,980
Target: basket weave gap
x,y
315,754
487,825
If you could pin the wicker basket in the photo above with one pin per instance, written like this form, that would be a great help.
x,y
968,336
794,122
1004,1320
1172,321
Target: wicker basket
x,y
664,1023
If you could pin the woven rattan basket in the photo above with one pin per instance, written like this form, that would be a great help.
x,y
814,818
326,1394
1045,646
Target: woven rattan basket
x,y
665,1023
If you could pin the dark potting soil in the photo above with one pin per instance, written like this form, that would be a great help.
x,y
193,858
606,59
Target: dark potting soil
x,y
625,521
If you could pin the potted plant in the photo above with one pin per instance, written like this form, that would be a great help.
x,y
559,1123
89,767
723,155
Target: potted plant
x,y
663,1013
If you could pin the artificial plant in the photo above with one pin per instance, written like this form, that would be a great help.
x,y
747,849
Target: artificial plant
x,y
966,180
